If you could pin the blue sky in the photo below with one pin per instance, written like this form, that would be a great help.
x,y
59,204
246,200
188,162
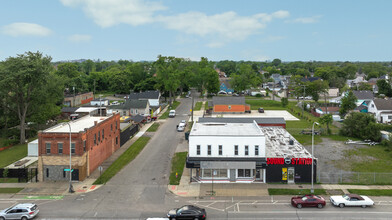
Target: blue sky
x,y
253,30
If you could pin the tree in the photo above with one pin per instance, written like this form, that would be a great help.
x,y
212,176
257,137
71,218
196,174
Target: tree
x,y
245,78
384,88
167,74
23,81
361,125
284,101
348,103
276,62
326,120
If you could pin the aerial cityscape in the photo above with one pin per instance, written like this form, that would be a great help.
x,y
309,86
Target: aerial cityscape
x,y
169,110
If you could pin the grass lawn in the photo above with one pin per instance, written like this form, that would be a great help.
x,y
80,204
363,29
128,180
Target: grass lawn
x,y
10,190
8,180
174,106
375,157
154,127
198,106
206,105
372,192
12,154
266,104
295,191
123,160
178,163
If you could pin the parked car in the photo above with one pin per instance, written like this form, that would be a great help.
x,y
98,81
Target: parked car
x,y
187,212
180,128
261,110
351,200
308,201
22,211
172,113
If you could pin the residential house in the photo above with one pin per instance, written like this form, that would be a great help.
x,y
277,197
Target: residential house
x,y
360,78
153,97
381,109
225,85
93,140
363,95
131,107
229,104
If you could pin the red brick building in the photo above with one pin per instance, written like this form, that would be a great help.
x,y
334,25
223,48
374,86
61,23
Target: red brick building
x,y
79,99
229,105
93,140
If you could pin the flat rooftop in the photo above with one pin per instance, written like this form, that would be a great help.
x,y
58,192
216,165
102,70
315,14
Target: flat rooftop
x,y
277,144
225,129
76,125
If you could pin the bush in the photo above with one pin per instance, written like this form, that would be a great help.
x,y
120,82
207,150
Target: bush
x,y
258,95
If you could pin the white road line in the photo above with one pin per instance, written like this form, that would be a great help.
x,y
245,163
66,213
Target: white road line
x,y
231,206
96,213
210,204
272,198
238,207
311,212
254,202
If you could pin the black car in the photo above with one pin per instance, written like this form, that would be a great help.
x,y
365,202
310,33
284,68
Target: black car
x,y
261,110
187,212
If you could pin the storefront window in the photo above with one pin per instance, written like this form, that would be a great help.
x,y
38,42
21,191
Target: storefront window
x,y
244,173
241,173
223,173
217,173
207,172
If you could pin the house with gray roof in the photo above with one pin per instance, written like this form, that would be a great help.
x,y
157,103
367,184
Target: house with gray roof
x,y
381,109
363,95
153,97
131,107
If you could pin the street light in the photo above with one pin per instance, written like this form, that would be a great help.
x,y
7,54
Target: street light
x,y
70,161
312,189
100,106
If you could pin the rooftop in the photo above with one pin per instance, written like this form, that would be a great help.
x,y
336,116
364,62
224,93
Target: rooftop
x,y
76,125
225,129
277,144
271,120
222,100
145,95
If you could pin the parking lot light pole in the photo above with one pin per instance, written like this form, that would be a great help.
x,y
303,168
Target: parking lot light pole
x,y
312,189
70,161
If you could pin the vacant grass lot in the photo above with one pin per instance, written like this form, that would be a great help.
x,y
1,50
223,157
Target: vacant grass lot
x,y
178,163
10,190
154,127
266,104
123,160
372,192
198,106
12,154
8,180
375,158
295,191
174,106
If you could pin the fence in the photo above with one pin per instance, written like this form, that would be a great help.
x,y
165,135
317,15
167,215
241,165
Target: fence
x,y
22,174
128,133
355,178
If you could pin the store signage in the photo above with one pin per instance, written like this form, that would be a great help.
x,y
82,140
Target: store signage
x,y
289,161
284,173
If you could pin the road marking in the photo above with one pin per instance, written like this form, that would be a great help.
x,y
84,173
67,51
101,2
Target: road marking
x,y
96,213
211,204
44,197
272,198
238,207
254,202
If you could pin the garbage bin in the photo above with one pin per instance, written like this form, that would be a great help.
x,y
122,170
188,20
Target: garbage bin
x,y
187,135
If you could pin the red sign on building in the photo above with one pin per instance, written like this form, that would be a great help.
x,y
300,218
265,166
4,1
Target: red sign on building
x,y
288,161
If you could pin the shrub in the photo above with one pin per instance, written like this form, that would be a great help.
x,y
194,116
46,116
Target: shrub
x,y
258,95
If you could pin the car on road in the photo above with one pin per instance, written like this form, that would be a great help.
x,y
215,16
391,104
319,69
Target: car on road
x,y
261,110
22,211
181,126
172,113
351,200
308,201
187,212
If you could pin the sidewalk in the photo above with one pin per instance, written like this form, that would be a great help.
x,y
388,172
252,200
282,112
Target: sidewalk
x,y
62,188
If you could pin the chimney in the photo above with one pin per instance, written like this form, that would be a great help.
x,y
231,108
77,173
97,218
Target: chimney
x,y
95,123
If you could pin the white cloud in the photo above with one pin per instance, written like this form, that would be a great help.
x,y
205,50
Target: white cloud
x,y
26,29
271,39
77,38
109,13
306,20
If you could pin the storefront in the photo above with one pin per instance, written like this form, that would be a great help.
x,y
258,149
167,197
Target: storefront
x,y
295,170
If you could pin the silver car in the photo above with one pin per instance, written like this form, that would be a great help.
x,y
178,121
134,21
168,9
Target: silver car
x,y
20,211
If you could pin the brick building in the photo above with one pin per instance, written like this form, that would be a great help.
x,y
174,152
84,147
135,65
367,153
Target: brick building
x,y
229,104
71,100
93,140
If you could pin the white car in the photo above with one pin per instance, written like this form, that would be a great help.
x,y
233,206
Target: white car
x,y
351,200
172,113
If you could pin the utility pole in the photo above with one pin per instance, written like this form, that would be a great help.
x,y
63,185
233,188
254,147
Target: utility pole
x,y
303,101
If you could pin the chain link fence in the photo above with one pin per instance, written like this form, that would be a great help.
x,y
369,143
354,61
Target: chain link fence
x,y
355,178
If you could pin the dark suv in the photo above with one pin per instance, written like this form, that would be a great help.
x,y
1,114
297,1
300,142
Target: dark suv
x,y
261,110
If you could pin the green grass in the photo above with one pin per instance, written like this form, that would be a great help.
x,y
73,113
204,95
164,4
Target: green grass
x,y
206,105
10,190
12,154
178,163
295,191
154,127
174,106
266,104
198,106
8,180
123,160
375,158
372,192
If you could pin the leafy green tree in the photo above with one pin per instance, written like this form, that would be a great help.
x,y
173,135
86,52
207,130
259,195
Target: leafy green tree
x,y
245,78
167,74
364,86
284,102
361,125
276,62
120,80
23,81
227,66
348,103
326,120
384,88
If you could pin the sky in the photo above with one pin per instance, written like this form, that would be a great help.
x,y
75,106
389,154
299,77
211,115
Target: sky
x,y
250,30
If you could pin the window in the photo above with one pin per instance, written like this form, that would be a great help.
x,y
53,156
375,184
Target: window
x,y
116,125
229,106
235,149
209,149
244,173
111,127
84,146
246,150
63,173
99,136
95,139
72,148
256,150
220,149
47,172
47,148
135,111
389,117
103,134
116,140
198,150
207,172
60,148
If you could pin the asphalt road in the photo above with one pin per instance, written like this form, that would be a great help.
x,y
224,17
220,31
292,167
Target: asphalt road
x,y
140,191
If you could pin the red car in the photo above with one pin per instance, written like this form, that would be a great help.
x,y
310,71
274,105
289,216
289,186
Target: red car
x,y
308,201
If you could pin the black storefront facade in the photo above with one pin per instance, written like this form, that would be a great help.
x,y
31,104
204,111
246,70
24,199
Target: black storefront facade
x,y
290,170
